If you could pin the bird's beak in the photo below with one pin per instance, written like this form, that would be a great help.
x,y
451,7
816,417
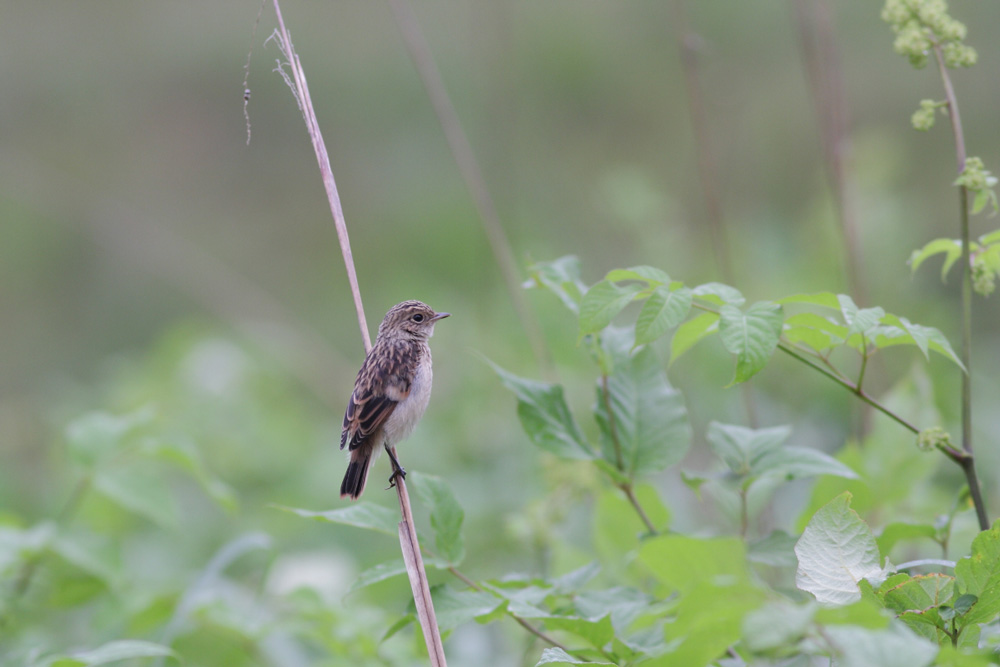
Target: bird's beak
x,y
440,316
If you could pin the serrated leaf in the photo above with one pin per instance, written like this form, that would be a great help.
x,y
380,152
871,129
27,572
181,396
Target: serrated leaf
x,y
545,417
446,516
360,515
788,463
752,336
602,302
649,419
562,278
739,446
816,331
557,656
692,332
836,551
920,594
453,608
900,331
952,249
979,574
719,294
647,274
859,320
662,311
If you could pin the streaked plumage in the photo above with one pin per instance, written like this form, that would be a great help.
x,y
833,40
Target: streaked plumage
x,y
391,391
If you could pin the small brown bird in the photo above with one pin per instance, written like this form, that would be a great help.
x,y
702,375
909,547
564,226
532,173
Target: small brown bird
x,y
391,392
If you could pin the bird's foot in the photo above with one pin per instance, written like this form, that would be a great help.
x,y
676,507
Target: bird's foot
x,y
399,472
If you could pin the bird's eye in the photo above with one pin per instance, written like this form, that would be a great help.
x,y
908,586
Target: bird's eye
x,y
419,317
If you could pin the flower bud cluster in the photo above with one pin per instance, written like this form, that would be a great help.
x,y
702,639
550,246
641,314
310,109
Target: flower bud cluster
x,y
931,438
922,24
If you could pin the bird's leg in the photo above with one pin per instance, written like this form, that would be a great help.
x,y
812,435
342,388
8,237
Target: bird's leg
x,y
397,470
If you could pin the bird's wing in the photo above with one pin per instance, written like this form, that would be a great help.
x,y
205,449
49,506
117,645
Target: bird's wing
x,y
383,381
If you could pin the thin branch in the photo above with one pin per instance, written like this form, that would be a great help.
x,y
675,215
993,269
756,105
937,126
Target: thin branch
x,y
520,621
468,166
408,541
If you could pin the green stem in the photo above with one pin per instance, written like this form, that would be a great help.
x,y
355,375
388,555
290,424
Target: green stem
x,y
850,386
968,462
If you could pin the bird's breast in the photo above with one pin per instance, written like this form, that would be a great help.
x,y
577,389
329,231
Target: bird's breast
x,y
404,418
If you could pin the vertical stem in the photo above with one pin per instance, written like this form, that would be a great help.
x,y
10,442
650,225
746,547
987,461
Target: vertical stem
x,y
468,167
408,541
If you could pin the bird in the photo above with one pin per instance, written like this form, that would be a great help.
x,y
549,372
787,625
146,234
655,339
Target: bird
x,y
390,394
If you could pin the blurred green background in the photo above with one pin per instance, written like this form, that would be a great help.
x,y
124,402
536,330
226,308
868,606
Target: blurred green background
x,y
150,257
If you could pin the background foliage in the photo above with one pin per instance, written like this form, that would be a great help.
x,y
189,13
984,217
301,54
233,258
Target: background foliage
x,y
178,341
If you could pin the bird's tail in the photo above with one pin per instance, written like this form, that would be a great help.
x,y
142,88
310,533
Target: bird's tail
x,y
357,474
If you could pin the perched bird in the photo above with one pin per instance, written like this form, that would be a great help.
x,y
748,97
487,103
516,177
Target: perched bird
x,y
391,392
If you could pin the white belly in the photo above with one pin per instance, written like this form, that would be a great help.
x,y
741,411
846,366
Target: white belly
x,y
404,418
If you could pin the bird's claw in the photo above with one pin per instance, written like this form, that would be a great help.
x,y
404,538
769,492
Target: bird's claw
x,y
399,472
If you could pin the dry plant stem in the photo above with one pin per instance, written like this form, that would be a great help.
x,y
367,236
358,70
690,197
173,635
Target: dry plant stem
x,y
407,531
418,575
301,90
968,463
822,63
468,166
708,174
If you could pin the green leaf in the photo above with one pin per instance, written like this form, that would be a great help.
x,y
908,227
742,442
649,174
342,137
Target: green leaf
x,y
898,531
545,417
709,619
139,489
719,294
602,302
557,656
836,551
979,574
825,299
185,456
648,427
895,646
775,625
788,463
624,604
663,310
739,447
617,527
360,515
646,274
680,562
562,278
115,651
453,608
97,435
446,515
859,321
900,331
777,549
815,331
920,596
952,249
596,631
388,570
752,336
692,332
